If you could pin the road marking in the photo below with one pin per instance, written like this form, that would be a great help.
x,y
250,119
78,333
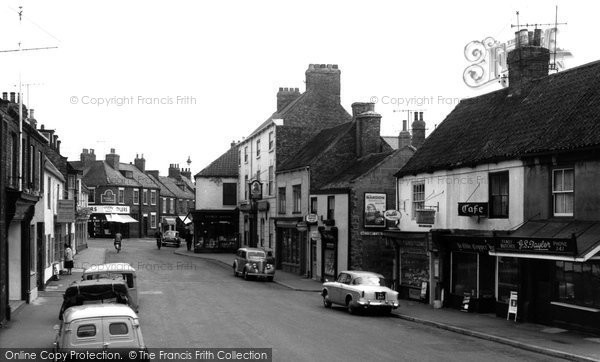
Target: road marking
x,y
151,292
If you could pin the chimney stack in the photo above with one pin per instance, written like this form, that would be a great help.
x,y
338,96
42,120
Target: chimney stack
x,y
286,96
140,163
87,158
153,173
323,80
12,97
528,61
404,138
368,124
5,96
174,171
418,130
31,119
113,159
186,173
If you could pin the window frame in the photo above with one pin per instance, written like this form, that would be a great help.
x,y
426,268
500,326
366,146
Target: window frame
x,y
258,148
152,197
492,214
331,207
314,205
271,143
296,199
230,195
563,192
145,197
121,196
153,220
417,203
136,196
281,202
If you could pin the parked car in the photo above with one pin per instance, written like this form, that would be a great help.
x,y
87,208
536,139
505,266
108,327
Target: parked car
x,y
98,291
359,290
98,327
253,262
171,237
116,271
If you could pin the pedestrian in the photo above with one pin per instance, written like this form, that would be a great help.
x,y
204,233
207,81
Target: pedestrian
x,y
158,235
68,258
188,240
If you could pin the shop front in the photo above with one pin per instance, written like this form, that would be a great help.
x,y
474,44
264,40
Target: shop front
x,y
290,245
411,264
215,230
107,220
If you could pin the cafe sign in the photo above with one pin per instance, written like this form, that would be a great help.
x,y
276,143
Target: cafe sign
x,y
473,209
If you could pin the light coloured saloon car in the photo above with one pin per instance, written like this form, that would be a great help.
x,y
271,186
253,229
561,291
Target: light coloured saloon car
x,y
359,290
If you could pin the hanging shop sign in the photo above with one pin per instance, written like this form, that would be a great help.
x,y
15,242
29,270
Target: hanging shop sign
x,y
425,216
392,215
374,206
66,211
256,190
473,209
311,218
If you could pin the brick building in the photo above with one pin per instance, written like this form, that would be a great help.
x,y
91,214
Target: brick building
x,y
298,117
320,192
122,198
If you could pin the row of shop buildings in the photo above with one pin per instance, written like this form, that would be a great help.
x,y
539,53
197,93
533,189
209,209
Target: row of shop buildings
x,y
499,200
43,206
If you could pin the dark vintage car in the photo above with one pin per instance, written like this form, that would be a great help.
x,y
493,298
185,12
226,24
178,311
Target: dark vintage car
x,y
97,291
253,262
359,290
171,237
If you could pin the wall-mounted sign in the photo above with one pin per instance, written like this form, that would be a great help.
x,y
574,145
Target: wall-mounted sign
x,y
66,211
256,190
392,215
108,197
375,205
311,218
110,209
425,216
536,245
302,226
473,209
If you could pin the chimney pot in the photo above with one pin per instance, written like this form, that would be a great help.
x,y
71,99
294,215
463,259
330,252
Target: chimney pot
x,y
12,97
112,150
92,151
418,130
5,96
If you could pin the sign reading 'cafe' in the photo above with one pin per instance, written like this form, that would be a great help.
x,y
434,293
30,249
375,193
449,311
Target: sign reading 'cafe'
x,y
473,209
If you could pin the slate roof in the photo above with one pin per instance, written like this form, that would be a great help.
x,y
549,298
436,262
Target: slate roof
x,y
164,191
316,146
143,179
360,167
50,167
99,173
224,166
559,112
171,184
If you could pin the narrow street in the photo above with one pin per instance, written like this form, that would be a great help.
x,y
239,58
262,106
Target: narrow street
x,y
192,303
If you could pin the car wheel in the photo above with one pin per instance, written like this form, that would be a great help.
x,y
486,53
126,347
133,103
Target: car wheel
x,y
326,301
245,274
235,274
349,306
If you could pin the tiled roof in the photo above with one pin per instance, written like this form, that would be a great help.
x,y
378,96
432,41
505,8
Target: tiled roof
x,y
50,167
99,173
139,176
316,146
559,112
360,167
164,191
224,166
171,184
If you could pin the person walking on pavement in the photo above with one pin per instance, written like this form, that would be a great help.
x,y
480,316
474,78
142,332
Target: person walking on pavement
x,y
68,258
158,236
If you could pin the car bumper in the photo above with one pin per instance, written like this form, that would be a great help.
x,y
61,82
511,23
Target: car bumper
x,y
366,303
264,274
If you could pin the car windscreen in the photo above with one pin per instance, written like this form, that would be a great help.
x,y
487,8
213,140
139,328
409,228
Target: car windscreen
x,y
371,280
256,254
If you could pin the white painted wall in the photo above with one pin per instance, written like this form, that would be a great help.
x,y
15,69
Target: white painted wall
x,y
341,222
209,193
448,188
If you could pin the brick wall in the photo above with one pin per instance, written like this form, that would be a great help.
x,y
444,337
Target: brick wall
x,y
370,252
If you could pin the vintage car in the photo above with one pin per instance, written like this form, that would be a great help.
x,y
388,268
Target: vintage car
x,y
97,291
253,262
359,290
117,271
98,327
171,237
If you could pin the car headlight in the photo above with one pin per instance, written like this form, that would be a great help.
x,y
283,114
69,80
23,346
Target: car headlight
x,y
254,265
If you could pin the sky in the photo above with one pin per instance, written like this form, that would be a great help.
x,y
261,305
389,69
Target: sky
x,y
172,79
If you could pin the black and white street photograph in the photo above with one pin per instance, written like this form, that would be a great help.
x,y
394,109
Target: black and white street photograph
x,y
299,180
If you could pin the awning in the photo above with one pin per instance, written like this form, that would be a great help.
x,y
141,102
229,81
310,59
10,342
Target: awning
x,y
185,219
550,239
169,220
123,219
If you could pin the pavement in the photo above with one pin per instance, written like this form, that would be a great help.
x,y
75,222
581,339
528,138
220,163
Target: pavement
x,y
551,341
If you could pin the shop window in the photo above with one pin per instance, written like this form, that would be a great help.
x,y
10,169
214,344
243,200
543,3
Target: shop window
x,y
281,200
330,207
229,193
297,197
464,273
418,197
498,194
414,269
508,277
562,191
578,283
